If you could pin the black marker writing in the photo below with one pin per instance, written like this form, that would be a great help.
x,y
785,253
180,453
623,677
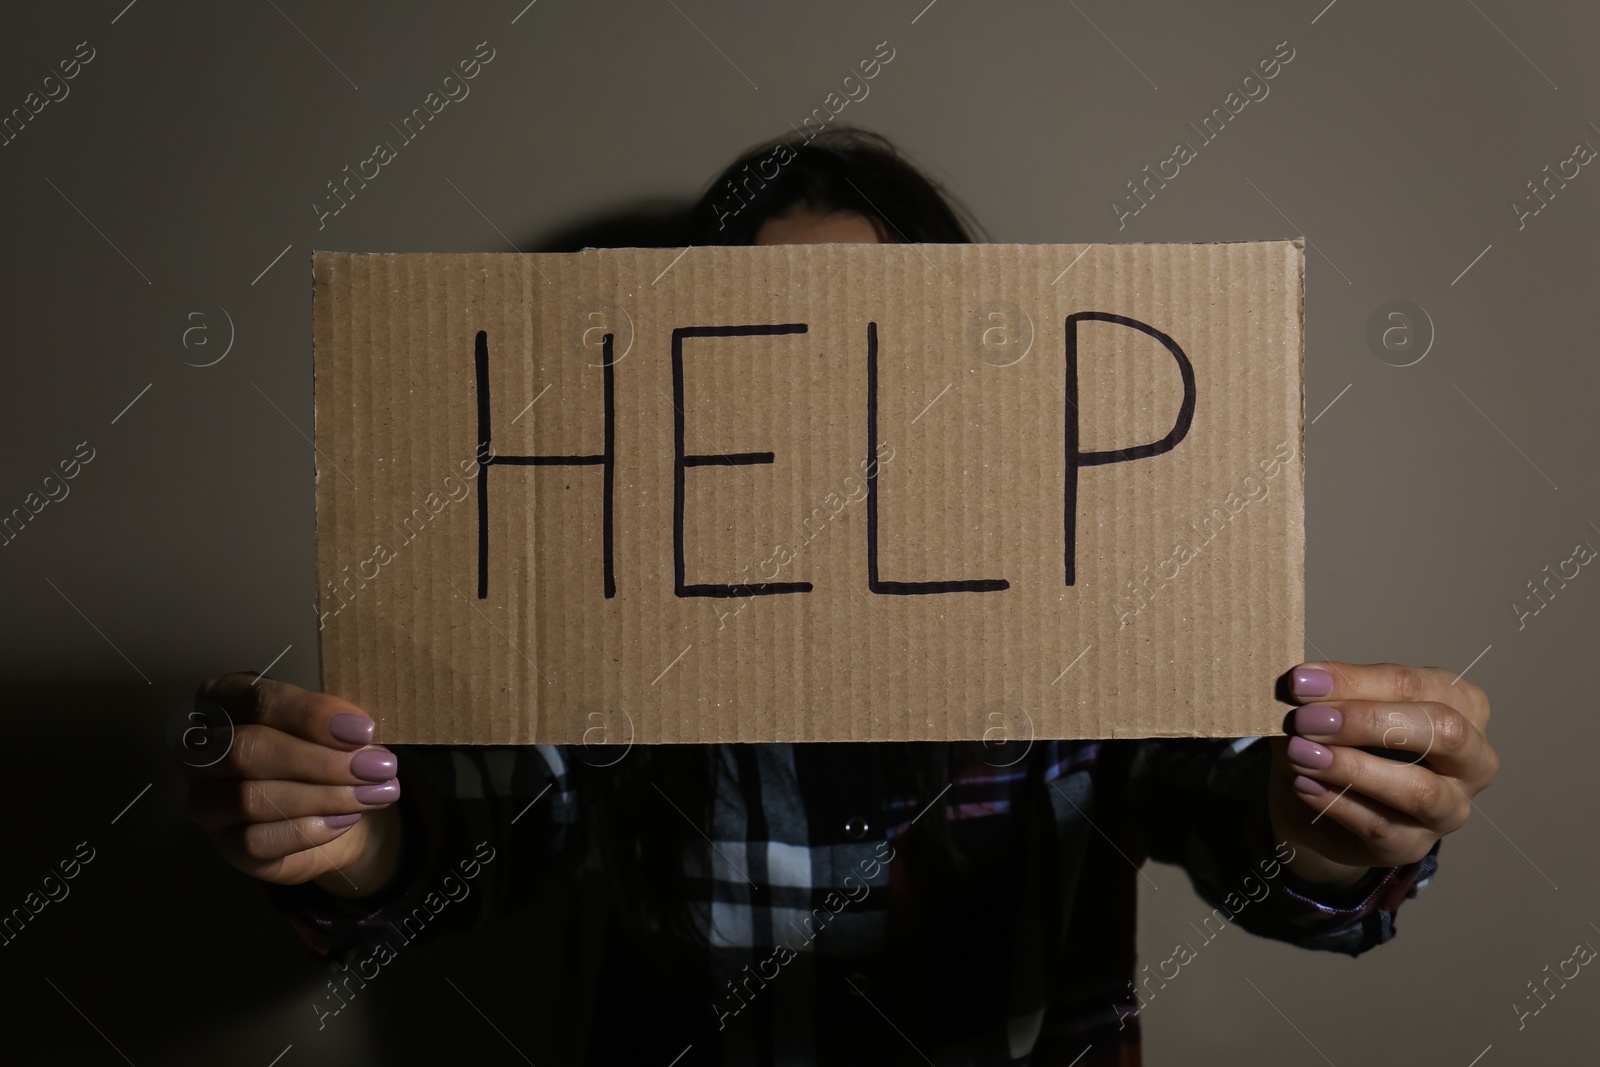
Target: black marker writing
x,y
683,460
978,585
607,461
1077,458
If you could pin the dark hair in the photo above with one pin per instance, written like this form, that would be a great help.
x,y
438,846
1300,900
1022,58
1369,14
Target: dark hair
x,y
837,170
644,809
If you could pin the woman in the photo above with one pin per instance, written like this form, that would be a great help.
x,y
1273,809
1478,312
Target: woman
x,y
851,902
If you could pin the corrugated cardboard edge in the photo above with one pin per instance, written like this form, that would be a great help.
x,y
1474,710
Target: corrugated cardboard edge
x,y
1300,245
316,475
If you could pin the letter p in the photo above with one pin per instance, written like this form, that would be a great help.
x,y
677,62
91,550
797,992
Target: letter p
x,y
1077,458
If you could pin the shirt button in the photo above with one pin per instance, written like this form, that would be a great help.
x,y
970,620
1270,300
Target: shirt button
x,y
857,983
856,828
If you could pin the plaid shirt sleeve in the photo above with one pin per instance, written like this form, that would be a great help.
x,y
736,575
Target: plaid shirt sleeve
x,y
484,829
1201,803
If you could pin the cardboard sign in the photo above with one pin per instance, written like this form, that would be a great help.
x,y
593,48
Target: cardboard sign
x,y
807,493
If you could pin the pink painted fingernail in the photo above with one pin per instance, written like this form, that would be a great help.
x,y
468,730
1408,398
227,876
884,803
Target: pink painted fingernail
x,y
382,793
1309,754
1318,720
339,822
374,764
1311,682
1309,786
351,728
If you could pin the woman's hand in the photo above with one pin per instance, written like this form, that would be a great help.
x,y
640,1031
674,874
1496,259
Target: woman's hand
x,y
301,793
1346,810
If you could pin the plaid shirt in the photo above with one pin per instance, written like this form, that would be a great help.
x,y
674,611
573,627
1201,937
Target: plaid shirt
x,y
831,944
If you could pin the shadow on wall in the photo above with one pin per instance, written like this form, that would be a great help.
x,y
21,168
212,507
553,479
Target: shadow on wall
x,y
157,947
647,224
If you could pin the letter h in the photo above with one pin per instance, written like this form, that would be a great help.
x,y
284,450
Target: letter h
x,y
606,460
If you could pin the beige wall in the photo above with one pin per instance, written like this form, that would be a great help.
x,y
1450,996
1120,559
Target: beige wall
x,y
199,135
